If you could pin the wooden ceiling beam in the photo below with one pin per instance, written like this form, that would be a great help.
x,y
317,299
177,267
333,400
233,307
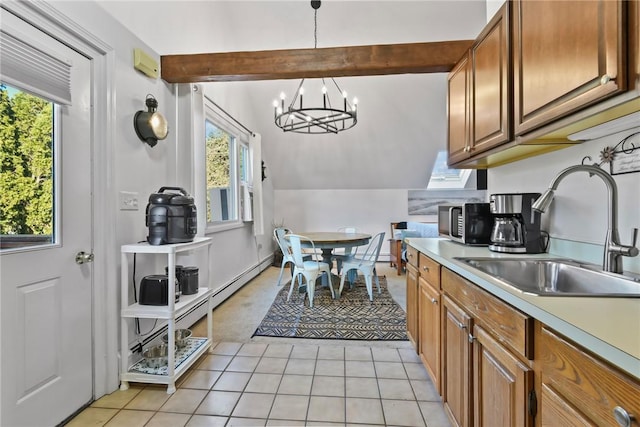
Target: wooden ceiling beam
x,y
408,58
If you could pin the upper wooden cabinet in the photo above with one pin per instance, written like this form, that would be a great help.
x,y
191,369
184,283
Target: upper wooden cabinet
x,y
491,84
567,55
458,111
480,92
539,72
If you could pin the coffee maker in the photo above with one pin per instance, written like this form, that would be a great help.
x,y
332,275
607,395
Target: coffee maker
x,y
516,227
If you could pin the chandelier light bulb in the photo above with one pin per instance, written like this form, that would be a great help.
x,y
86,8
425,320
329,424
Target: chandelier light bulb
x,y
344,94
282,95
355,101
275,102
308,118
301,91
324,90
279,110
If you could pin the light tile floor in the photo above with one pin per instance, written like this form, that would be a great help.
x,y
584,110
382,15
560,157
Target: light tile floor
x,y
257,381
260,384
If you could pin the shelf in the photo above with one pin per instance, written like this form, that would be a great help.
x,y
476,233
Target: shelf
x,y
162,311
185,357
146,248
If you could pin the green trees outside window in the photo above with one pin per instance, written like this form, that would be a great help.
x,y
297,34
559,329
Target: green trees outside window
x,y
26,163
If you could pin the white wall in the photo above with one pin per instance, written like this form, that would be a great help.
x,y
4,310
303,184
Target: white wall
x,y
579,211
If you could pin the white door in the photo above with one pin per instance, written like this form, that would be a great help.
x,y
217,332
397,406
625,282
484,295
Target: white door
x,y
46,347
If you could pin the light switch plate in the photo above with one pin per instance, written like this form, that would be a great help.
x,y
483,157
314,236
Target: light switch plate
x,y
128,201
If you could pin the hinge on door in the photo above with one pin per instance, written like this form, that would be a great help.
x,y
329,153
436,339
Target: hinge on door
x,y
532,403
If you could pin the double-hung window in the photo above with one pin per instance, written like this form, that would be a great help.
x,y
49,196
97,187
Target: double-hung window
x,y
228,169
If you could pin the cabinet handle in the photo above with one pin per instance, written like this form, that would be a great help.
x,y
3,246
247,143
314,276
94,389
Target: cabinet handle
x,y
467,149
425,268
604,80
434,301
471,338
460,325
410,255
623,418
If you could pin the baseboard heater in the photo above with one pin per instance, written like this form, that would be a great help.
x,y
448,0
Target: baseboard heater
x,y
260,267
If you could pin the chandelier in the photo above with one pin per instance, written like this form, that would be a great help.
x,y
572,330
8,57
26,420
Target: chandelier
x,y
323,118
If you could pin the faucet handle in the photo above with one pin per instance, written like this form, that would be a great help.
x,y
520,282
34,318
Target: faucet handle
x,y
633,250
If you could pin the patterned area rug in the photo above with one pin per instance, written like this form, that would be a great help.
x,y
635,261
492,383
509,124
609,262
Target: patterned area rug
x,y
351,317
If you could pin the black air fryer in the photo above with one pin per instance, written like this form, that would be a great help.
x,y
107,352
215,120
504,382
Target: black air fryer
x,y
171,217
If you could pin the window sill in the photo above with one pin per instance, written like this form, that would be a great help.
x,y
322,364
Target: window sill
x,y
216,228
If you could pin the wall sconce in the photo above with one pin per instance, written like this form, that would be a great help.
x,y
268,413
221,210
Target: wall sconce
x,y
150,125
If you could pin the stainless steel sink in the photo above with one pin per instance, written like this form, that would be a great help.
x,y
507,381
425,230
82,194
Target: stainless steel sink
x,y
556,277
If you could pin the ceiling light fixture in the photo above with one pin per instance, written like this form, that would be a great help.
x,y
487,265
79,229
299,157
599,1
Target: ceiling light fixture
x,y
325,118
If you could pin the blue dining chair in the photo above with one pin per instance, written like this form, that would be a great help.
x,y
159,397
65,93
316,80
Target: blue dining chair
x,y
309,269
365,264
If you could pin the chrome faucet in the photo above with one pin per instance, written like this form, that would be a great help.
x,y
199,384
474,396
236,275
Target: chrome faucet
x,y
613,249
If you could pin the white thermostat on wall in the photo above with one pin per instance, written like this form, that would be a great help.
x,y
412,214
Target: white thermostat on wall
x,y
145,63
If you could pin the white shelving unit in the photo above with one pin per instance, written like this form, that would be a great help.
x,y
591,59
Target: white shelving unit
x,y
180,361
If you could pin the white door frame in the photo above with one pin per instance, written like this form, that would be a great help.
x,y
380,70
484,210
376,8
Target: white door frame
x,y
104,303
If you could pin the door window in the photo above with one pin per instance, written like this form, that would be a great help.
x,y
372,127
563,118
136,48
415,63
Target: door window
x,y
27,169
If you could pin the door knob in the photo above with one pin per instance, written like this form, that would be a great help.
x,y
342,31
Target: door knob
x,y
83,257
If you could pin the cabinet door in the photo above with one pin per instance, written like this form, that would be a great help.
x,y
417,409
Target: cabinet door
x,y
457,381
594,388
502,384
567,54
556,411
491,84
412,305
458,103
429,321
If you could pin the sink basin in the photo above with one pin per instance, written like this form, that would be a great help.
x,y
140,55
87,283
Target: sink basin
x,y
556,277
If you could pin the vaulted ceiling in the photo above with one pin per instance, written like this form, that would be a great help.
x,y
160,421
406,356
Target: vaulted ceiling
x,y
402,118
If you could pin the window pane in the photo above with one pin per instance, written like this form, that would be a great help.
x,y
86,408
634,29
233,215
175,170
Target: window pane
x,y
221,201
26,169
245,165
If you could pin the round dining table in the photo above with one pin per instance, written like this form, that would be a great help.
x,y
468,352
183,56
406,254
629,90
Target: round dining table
x,y
327,241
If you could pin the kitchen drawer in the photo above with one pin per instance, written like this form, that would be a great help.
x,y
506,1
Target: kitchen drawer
x,y
510,326
582,381
412,256
429,270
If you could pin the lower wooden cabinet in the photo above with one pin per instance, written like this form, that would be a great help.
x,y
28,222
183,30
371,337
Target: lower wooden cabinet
x,y
503,384
412,305
457,381
479,352
581,389
429,329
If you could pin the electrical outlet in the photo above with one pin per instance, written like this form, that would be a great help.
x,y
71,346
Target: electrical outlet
x,y
128,201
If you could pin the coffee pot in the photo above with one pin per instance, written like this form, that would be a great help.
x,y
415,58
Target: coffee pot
x,y
516,227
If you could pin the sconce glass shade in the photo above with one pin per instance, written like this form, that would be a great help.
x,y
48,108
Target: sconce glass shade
x,y
150,126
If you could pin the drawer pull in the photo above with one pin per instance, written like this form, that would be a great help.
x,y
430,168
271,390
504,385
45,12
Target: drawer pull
x,y
623,418
605,79
425,268
434,301
460,325
471,338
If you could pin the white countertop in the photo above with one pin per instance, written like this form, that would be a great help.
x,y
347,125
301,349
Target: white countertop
x,y
609,327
